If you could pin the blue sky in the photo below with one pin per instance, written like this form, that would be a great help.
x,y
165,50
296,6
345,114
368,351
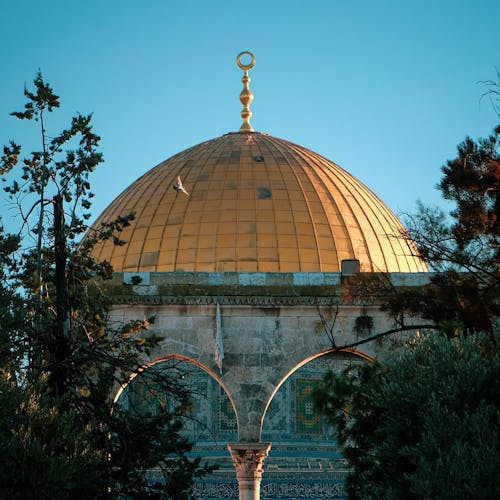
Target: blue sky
x,y
386,89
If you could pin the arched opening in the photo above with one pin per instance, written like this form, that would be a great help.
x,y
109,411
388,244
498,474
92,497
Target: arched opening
x,y
304,454
209,418
210,415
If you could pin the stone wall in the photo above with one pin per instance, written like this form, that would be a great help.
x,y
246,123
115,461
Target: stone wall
x,y
271,324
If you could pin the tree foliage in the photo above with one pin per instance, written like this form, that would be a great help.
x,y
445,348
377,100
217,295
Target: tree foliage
x,y
426,424
463,247
62,436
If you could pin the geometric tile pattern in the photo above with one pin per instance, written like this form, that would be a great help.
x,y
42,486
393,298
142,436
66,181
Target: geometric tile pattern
x,y
290,415
305,462
307,420
210,415
227,417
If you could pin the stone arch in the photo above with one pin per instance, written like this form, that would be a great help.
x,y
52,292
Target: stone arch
x,y
304,455
211,376
345,354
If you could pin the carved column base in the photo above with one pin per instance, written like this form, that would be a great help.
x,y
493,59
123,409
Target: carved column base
x,y
248,459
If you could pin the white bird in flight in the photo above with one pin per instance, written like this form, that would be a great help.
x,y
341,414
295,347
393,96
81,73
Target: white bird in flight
x,y
179,187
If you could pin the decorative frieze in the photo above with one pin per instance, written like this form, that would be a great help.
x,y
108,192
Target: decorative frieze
x,y
284,488
239,300
302,488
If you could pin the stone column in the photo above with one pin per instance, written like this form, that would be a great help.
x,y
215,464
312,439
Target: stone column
x,y
248,459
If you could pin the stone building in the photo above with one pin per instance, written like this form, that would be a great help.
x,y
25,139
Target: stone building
x,y
242,248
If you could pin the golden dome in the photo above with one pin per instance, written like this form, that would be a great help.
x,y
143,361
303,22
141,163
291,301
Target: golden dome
x,y
256,204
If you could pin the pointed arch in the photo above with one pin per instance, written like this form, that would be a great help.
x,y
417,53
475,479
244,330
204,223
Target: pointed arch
x,y
186,359
350,352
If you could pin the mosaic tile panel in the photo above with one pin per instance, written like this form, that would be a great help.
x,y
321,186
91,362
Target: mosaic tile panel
x,y
227,417
209,417
307,421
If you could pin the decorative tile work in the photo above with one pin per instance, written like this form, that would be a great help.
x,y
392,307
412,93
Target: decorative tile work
x,y
217,489
143,397
307,420
303,488
304,462
288,417
227,417
285,488
277,413
209,417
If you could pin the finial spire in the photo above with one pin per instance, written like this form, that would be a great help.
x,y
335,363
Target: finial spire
x,y
246,97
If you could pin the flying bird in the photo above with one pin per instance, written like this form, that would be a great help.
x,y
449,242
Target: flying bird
x,y
179,187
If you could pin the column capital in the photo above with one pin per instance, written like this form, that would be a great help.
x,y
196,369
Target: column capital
x,y
248,459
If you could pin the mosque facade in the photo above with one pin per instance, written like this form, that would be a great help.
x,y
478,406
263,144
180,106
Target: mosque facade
x,y
245,249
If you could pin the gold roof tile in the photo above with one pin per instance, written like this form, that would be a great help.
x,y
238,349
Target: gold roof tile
x,y
257,203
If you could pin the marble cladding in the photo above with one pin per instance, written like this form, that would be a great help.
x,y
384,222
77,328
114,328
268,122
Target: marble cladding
x,y
253,279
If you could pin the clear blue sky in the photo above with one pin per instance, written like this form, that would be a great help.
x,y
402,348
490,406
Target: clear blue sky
x,y
386,89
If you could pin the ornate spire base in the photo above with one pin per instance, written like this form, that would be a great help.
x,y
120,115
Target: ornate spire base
x,y
248,459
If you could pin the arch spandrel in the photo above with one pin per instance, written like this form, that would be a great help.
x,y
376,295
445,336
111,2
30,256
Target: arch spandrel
x,y
303,445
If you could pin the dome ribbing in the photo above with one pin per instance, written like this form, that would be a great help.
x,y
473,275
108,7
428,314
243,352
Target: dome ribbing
x,y
256,204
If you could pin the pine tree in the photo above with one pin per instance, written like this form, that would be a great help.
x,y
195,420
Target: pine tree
x,y
464,247
62,435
